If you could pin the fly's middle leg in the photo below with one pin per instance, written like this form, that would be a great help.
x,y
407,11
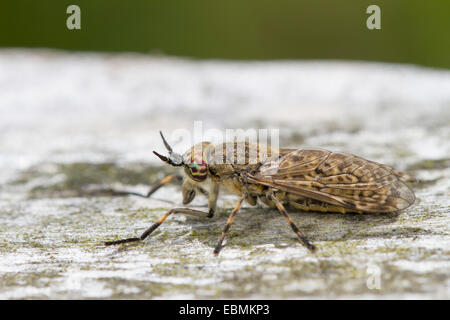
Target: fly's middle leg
x,y
227,226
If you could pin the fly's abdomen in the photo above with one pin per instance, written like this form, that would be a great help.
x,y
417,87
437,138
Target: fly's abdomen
x,y
334,180
306,204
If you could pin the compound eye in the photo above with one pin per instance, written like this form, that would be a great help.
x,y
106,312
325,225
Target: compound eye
x,y
198,171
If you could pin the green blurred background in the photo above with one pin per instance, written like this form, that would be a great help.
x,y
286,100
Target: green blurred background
x,y
413,31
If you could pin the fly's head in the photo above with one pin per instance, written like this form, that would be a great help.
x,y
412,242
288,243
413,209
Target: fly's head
x,y
193,160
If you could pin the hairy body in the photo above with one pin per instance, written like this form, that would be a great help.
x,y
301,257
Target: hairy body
x,y
305,179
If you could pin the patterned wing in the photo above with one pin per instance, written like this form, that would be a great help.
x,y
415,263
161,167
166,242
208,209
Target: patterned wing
x,y
338,178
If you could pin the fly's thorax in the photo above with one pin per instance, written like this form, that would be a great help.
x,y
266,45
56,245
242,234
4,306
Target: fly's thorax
x,y
228,157
225,159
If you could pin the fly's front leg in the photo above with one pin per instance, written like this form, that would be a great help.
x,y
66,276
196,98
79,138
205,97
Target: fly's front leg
x,y
281,208
153,227
152,190
212,199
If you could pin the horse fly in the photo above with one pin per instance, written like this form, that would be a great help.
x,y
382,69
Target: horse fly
x,y
305,179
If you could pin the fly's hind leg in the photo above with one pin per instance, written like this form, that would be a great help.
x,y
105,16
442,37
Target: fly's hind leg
x,y
154,226
281,208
